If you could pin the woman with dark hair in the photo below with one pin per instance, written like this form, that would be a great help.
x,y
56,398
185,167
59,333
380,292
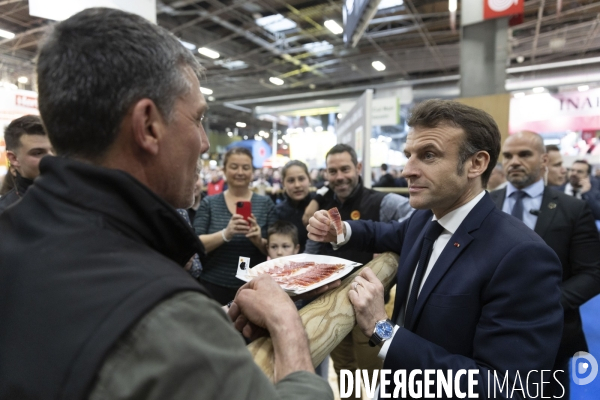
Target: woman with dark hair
x,y
225,234
297,195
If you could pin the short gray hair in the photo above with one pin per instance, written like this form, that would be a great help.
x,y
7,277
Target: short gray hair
x,y
94,66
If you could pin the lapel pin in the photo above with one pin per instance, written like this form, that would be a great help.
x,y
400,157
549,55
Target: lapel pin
x,y
456,244
552,206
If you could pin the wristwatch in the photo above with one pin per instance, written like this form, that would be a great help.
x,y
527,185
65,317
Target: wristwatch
x,y
384,330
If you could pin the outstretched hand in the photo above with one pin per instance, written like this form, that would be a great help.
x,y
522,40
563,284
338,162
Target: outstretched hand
x,y
320,228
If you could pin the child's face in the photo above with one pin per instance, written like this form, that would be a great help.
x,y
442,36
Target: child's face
x,y
281,246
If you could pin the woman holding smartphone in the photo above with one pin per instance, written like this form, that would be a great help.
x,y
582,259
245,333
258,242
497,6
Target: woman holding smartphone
x,y
228,235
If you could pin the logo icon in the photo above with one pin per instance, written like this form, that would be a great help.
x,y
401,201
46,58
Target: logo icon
x,y
501,5
584,368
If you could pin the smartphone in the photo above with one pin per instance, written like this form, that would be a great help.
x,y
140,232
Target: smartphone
x,y
244,208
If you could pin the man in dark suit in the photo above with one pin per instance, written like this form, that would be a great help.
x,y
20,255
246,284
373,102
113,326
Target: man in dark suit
x,y
581,186
565,223
476,289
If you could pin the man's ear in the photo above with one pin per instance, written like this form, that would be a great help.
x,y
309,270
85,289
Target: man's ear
x,y
148,126
12,158
545,159
479,163
359,167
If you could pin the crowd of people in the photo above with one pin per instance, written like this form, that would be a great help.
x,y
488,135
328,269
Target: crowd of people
x,y
118,278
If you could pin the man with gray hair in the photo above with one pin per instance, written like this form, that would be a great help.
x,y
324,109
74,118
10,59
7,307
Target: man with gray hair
x,y
95,300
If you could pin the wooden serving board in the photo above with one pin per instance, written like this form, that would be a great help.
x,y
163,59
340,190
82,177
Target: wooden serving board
x,y
329,318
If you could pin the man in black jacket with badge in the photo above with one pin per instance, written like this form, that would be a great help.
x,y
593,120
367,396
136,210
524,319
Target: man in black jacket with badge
x,y
96,303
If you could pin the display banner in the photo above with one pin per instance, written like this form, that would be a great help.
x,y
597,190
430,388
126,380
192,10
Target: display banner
x,y
60,10
556,112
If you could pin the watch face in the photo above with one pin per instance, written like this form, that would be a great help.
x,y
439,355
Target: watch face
x,y
384,330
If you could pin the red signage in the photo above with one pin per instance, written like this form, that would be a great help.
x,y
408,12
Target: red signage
x,y
502,8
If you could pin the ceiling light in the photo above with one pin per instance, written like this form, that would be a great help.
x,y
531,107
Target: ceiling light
x,y
518,95
538,89
520,59
276,81
389,4
333,27
205,90
6,34
208,53
452,5
211,98
245,137
257,137
319,48
230,134
378,65
340,116
232,65
23,79
284,147
583,88
276,23
240,124
188,45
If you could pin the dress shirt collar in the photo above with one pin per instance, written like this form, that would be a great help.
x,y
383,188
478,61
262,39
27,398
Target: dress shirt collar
x,y
454,218
534,190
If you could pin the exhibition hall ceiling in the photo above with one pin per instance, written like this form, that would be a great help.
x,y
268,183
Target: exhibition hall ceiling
x,y
257,40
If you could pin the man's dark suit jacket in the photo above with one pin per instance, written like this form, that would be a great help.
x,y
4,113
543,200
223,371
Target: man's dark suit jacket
x,y
591,197
566,224
491,302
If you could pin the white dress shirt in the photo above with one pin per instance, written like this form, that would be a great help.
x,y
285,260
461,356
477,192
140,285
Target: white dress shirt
x,y
569,191
532,202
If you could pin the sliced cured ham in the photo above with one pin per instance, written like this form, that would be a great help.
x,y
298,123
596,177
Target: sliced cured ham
x,y
296,275
336,220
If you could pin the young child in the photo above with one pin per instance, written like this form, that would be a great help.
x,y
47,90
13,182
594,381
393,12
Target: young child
x,y
282,239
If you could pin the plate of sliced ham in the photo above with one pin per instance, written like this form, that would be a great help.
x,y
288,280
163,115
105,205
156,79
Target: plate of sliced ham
x,y
301,273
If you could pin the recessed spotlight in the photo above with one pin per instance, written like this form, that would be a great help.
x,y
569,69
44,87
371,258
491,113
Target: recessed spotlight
x,y
538,89
520,59
276,81
205,90
245,137
583,88
230,134
240,124
23,79
378,65
333,27
208,53
211,98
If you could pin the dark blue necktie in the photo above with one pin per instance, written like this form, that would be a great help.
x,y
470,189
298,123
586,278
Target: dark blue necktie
x,y
432,232
517,210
